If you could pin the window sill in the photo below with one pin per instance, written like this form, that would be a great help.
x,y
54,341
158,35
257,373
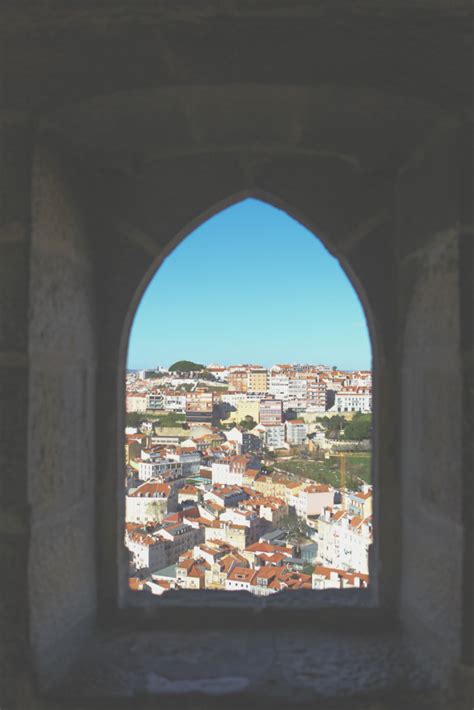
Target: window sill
x,y
288,668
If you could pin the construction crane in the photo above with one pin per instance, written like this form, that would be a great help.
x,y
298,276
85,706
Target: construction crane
x,y
342,478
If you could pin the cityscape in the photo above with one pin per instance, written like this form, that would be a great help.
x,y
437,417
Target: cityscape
x,y
248,478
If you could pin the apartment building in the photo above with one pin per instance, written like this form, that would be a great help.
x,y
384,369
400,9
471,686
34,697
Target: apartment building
x,y
271,412
154,465
353,399
155,400
199,406
174,402
230,470
278,386
150,502
359,502
245,408
316,393
274,436
312,499
296,432
238,380
297,391
147,553
257,381
333,578
136,403
344,540
190,460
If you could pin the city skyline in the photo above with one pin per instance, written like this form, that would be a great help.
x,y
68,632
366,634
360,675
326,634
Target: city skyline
x,y
279,296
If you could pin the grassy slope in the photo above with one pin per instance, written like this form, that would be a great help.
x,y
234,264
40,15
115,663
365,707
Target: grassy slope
x,y
358,469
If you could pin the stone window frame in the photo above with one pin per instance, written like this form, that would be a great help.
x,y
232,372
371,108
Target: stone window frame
x,y
377,604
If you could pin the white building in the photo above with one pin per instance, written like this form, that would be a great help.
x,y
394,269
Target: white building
x,y
274,436
312,500
359,378
190,460
174,402
239,579
297,390
150,502
235,436
332,578
233,398
154,400
146,551
296,432
229,470
353,399
159,467
316,394
136,403
248,518
343,541
279,387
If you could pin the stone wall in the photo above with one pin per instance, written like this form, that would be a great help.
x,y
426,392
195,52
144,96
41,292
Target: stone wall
x,y
123,126
61,417
432,396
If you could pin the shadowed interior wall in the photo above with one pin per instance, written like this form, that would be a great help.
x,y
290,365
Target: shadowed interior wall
x,y
124,125
431,442
61,456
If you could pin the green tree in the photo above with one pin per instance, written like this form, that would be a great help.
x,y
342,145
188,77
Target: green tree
x,y
334,425
172,419
206,375
248,423
295,527
359,428
186,366
134,419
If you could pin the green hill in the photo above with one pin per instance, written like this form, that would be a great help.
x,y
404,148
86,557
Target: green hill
x,y
186,366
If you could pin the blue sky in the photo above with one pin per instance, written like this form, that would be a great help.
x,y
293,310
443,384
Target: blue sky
x,y
250,285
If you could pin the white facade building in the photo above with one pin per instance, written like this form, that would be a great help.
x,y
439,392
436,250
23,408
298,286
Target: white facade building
x,y
136,403
353,399
150,502
229,471
275,436
343,541
279,386
190,461
174,402
296,432
159,467
312,500
155,400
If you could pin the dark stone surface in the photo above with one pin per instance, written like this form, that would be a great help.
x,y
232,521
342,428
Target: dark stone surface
x,y
122,127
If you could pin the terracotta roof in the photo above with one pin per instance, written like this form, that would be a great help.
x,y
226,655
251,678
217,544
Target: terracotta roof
x,y
151,489
363,496
266,547
241,574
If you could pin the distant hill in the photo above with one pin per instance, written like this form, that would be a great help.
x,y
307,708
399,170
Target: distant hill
x,y
186,366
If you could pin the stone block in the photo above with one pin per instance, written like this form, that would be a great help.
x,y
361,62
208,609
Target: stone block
x,y
432,385
62,319
61,438
431,577
62,573
58,216
427,191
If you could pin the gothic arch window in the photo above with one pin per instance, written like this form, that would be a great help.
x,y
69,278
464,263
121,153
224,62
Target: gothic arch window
x,y
248,414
